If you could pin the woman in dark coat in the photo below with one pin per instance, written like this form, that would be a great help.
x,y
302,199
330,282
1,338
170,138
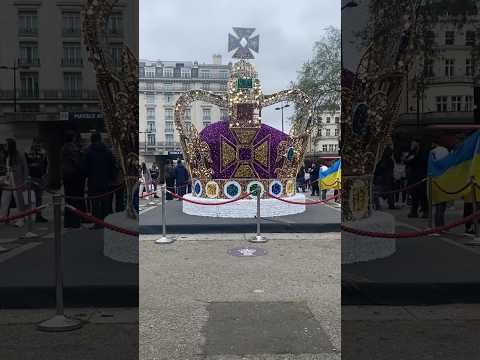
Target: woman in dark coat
x,y
170,179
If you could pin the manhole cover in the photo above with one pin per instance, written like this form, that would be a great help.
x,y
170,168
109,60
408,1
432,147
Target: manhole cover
x,y
247,251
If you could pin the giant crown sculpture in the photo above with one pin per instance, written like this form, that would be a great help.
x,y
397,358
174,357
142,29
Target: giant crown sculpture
x,y
242,155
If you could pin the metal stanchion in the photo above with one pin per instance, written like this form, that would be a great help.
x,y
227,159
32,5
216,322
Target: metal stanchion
x,y
30,234
430,203
258,238
164,239
476,224
59,322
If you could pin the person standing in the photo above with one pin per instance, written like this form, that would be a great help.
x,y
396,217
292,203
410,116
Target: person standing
x,y
37,167
438,153
146,179
181,178
17,173
417,165
169,179
100,171
154,173
301,179
314,176
323,168
73,174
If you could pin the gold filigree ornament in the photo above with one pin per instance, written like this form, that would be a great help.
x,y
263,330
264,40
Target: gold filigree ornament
x,y
212,189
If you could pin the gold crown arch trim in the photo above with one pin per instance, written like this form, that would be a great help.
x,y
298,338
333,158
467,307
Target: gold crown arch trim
x,y
117,87
378,84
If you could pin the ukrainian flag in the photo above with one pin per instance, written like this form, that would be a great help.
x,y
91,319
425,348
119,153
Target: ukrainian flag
x,y
332,177
452,173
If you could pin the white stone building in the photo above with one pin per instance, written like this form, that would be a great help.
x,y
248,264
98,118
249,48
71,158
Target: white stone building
x,y
325,138
43,58
161,83
448,96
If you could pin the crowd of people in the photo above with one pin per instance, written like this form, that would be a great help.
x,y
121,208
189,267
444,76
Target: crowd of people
x,y
400,180
308,179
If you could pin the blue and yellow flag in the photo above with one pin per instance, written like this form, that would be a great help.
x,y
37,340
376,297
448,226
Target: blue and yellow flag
x,y
332,177
452,174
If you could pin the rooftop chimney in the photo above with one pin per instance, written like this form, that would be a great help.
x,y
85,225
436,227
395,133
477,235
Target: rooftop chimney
x,y
217,59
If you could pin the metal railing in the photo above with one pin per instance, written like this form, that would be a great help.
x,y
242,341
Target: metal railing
x,y
72,62
30,61
22,94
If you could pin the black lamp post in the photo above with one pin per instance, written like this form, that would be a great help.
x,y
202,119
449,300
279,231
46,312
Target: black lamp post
x,y
14,68
281,108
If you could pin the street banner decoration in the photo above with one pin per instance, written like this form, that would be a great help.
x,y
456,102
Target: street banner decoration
x,y
331,179
451,176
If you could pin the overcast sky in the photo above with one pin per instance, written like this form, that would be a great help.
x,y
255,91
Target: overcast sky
x,y
188,30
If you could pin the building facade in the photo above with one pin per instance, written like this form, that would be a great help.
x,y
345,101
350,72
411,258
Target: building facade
x,y
440,88
161,83
46,80
324,141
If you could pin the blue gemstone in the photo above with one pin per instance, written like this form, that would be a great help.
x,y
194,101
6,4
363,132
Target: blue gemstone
x,y
276,189
232,190
198,189
290,154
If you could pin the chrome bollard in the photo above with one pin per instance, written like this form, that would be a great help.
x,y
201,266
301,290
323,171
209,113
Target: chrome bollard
x,y
59,322
258,238
30,234
164,239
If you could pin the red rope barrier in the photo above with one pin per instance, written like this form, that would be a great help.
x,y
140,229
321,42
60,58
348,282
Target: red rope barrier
x,y
101,222
409,187
211,204
307,202
412,234
21,215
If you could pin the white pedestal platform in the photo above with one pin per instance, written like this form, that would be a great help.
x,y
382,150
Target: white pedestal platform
x,y
118,246
245,208
356,248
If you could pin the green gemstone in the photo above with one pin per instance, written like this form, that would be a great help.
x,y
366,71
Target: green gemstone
x,y
244,83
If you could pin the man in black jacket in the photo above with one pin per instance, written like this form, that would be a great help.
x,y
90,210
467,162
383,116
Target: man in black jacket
x,y
37,168
100,171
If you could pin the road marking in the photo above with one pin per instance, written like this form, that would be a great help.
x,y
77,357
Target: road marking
x,y
18,251
441,237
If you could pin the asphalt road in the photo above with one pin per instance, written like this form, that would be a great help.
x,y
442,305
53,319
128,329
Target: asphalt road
x,y
198,302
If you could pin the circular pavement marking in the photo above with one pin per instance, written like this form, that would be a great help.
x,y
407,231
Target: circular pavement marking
x,y
247,252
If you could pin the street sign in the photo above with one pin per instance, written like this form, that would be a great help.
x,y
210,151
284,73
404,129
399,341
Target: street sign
x,y
72,116
247,252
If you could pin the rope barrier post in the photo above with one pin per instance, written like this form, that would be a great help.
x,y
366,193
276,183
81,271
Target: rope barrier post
x,y
30,234
59,322
164,239
258,238
430,201
476,224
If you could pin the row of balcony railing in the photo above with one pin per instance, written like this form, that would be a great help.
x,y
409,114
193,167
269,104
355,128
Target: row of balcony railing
x,y
67,32
35,61
80,94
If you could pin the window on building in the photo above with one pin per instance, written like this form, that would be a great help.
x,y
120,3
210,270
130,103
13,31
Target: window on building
x,y
188,114
72,83
151,139
28,54
168,98
206,124
337,120
168,72
336,132
116,54
449,67
185,73
115,24
72,54
29,84
442,103
327,132
27,23
151,126
168,114
204,74
469,103
207,113
168,85
169,139
449,37
71,23
169,126
223,114
469,67
430,38
328,120
470,38
150,98
429,68
205,86
320,119
331,148
150,113
150,72
456,104
324,148
149,85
